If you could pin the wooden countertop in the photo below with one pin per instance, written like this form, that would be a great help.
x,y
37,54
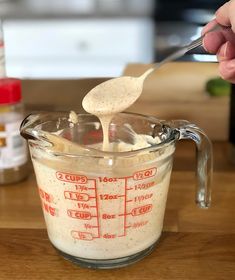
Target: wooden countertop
x,y
195,244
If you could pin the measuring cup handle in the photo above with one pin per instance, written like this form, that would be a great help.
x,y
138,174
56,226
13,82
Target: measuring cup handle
x,y
204,157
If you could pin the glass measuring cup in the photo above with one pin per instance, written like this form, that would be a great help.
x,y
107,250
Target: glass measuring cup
x,y
106,209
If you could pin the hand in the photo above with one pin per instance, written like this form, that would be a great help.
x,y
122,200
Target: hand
x,y
222,42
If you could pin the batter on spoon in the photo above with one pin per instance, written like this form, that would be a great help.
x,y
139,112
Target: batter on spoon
x,y
112,97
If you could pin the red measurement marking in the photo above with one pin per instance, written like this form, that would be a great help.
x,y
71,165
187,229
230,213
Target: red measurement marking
x,y
141,210
87,236
144,186
124,214
143,174
139,224
49,209
83,206
97,211
109,236
89,226
140,198
81,188
46,196
76,196
108,216
106,196
124,178
107,179
82,215
129,200
71,178
125,207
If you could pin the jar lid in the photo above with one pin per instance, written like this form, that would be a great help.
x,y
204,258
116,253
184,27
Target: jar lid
x,y
10,90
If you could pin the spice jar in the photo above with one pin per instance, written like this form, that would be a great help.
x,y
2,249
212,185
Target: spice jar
x,y
13,150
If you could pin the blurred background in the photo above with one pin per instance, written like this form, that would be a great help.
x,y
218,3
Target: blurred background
x,y
97,38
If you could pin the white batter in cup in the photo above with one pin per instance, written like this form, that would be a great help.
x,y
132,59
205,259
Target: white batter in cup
x,y
106,209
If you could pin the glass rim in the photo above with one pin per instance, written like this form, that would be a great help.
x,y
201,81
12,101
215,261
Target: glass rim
x,y
96,153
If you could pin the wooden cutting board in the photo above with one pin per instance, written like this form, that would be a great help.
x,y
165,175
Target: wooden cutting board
x,y
177,91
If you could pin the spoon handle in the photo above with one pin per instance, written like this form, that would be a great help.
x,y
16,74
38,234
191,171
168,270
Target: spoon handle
x,y
194,44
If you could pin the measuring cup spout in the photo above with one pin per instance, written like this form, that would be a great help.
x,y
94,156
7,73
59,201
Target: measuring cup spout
x,y
28,131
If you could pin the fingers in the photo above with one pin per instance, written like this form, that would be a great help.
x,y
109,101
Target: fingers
x,y
225,15
227,70
222,14
222,41
213,41
209,26
229,35
226,52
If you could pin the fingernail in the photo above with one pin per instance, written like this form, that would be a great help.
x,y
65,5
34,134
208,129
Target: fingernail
x,y
204,45
223,53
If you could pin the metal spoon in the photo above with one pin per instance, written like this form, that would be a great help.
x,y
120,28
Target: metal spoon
x,y
194,44
118,94
183,50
